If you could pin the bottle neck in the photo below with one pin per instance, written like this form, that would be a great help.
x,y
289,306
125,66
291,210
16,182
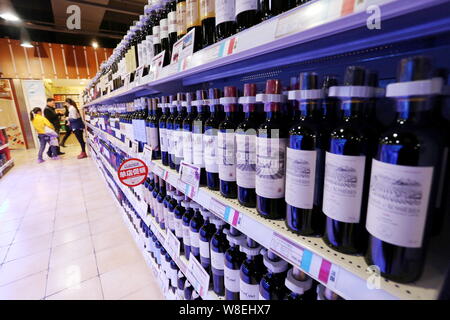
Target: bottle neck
x,y
352,108
307,107
414,110
273,109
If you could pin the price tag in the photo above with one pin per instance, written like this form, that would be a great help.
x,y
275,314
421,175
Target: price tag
x,y
147,154
286,249
156,65
183,47
225,212
172,245
190,175
134,148
198,276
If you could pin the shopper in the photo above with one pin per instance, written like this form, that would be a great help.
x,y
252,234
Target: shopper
x,y
46,133
77,126
52,116
67,124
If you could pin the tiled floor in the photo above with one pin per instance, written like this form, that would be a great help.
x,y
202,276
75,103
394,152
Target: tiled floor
x,y
62,236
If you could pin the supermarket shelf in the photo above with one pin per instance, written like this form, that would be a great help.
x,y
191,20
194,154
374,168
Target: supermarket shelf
x,y
6,166
309,32
4,146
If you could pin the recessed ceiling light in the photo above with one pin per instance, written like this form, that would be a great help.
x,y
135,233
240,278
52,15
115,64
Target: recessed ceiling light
x,y
9,16
26,44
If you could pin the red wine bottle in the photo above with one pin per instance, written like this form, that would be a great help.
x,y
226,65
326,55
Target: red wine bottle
x,y
405,177
208,20
170,132
157,48
188,122
178,129
225,19
247,14
272,8
164,35
198,129
171,8
193,22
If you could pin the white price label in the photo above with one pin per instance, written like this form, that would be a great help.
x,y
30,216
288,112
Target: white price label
x,y
190,174
172,244
198,276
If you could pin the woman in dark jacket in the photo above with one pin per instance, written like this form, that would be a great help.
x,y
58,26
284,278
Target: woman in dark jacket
x,y
77,126
67,124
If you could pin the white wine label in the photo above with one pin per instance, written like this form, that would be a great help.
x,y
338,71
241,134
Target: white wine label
x,y
217,260
398,203
163,139
226,153
192,13
178,228
225,11
156,35
246,5
186,235
300,178
343,187
270,165
210,144
187,147
248,291
169,137
164,28
172,17
204,249
207,9
195,239
232,279
246,160
178,141
198,156
152,138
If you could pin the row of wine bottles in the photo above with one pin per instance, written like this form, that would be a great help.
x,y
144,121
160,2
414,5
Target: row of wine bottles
x,y
341,175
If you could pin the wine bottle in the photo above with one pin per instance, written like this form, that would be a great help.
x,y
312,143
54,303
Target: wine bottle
x,y
195,224
186,221
246,148
160,206
178,129
226,144
272,285
405,176
164,34
219,244
329,106
152,130
208,21
233,261
165,114
271,8
252,271
303,196
167,202
206,232
188,122
170,132
171,8
347,171
270,156
180,285
153,198
210,140
193,22
324,293
247,14
300,286
198,129
181,18
157,48
178,213
225,19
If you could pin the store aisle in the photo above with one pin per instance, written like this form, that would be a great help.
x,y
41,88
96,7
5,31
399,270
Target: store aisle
x,y
62,236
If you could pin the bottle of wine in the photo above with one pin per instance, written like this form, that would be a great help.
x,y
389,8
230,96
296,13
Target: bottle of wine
x,y
186,220
219,245
188,122
163,130
152,130
178,129
171,8
169,204
271,145
210,139
272,285
180,285
157,48
246,148
206,232
233,261
195,224
225,19
170,132
208,21
324,293
181,18
160,206
155,193
247,14
193,22
272,8
303,196
178,213
405,176
226,144
198,129
329,106
164,33
300,286
252,271
347,171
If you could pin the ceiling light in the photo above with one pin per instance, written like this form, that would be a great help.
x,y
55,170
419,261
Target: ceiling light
x,y
9,16
26,44
95,44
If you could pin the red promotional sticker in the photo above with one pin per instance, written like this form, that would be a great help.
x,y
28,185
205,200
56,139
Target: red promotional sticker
x,y
132,172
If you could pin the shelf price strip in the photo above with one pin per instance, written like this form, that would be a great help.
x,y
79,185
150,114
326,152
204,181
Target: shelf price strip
x,y
225,212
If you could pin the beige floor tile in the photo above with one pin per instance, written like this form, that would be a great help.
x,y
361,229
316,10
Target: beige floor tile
x,y
110,239
29,288
28,247
35,220
71,273
70,251
104,212
7,238
115,257
21,268
150,292
9,226
106,224
30,231
88,290
77,232
64,222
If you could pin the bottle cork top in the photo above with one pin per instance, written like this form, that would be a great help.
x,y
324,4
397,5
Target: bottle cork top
x,y
273,86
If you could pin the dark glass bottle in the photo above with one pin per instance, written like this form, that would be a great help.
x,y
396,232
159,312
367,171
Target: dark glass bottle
x,y
180,285
155,193
301,287
193,22
347,172
164,34
166,202
170,133
174,275
208,21
272,285
181,18
252,270
152,129
198,129
178,129
188,290
178,213
225,19
151,186
247,14
157,48
160,206
272,8
246,148
405,178
303,196
188,122
324,293
329,108
270,157
195,225
233,261
163,131
210,140
171,8
172,203
206,232
219,245
187,216
226,144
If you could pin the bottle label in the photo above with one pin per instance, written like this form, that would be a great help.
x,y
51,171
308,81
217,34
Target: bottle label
x,y
178,228
232,279
246,160
178,143
226,152
398,203
195,239
164,28
198,150
207,9
217,260
343,187
246,5
156,35
248,291
210,144
225,11
204,249
270,165
187,146
172,17
300,178
192,13
181,18
170,145
152,138
163,139
186,235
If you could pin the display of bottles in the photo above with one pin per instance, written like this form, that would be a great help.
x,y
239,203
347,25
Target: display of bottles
x,y
193,22
162,124
219,245
247,14
405,175
347,171
152,126
246,148
195,224
270,156
178,129
225,19
272,285
226,144
210,140
208,22
198,129
206,232
305,156
170,133
300,286
188,123
233,261
252,270
186,226
181,18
